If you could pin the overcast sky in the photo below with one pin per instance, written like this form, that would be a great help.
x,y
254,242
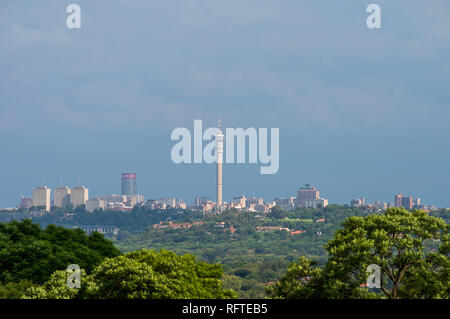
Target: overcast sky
x,y
361,112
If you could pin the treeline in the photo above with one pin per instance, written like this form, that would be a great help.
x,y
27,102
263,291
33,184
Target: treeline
x,y
133,221
410,249
255,262
29,254
397,254
252,258
33,264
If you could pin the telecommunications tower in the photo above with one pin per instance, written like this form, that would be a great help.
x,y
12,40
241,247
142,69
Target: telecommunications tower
x,y
219,154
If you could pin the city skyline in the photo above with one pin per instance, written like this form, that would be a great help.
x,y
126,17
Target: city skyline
x,y
361,112
306,196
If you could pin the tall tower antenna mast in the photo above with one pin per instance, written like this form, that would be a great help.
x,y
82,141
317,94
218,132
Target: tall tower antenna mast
x,y
219,154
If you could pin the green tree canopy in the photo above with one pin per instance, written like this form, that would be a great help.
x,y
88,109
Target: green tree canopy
x,y
27,252
411,249
142,274
277,213
302,281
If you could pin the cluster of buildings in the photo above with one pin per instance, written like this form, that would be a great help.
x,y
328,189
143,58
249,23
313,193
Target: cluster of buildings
x,y
307,197
166,203
407,202
64,196
361,202
399,201
204,204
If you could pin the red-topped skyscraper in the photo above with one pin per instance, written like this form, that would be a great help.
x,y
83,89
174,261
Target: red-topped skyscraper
x,y
128,184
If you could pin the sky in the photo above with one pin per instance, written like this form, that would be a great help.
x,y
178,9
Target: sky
x,y
361,112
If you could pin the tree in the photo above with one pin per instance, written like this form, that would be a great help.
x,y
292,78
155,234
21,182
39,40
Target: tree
x,y
433,277
28,252
13,290
398,241
56,287
277,212
142,274
302,281
403,244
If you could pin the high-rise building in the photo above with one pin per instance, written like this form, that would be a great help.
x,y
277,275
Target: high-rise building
x,y
407,202
417,202
79,196
398,200
62,196
41,197
128,184
403,201
308,192
219,154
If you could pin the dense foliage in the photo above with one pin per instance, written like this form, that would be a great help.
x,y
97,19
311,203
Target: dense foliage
x,y
141,274
411,248
255,256
251,258
130,221
29,253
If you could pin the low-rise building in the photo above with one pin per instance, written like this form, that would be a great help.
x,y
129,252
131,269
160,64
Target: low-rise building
x,y
113,230
316,203
162,225
265,228
25,202
254,201
358,202
296,232
95,203
197,208
286,203
239,202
